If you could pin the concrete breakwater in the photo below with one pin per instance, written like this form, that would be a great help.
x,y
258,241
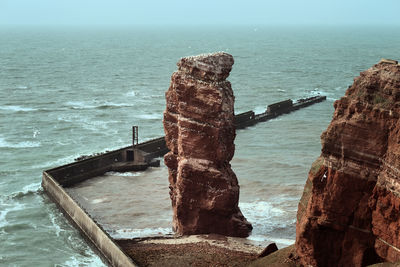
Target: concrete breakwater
x,y
130,158
249,118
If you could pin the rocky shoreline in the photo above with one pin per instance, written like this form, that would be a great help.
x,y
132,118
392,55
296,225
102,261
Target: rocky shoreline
x,y
194,250
349,214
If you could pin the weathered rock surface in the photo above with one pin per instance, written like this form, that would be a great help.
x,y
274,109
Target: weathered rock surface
x,y
349,214
271,248
198,124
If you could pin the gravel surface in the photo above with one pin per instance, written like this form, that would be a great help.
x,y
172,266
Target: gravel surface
x,y
199,253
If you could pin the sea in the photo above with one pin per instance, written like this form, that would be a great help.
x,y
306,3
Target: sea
x,y
72,91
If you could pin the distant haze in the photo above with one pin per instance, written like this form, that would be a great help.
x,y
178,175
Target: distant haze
x,y
205,12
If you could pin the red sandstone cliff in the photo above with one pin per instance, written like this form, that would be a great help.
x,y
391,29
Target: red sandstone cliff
x,y
199,129
349,214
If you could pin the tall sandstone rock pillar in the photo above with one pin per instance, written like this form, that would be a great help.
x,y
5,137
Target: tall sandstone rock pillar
x,y
349,214
199,129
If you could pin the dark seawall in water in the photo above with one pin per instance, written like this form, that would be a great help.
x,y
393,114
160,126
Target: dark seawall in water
x,y
56,180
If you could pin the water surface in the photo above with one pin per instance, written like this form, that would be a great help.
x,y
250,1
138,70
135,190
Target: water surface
x,y
66,92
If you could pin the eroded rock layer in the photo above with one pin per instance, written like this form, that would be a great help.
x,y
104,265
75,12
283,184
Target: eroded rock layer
x,y
349,214
199,131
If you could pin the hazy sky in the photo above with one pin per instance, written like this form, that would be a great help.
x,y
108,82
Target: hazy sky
x,y
183,12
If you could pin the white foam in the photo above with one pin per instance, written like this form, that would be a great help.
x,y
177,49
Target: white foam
x,y
98,200
258,238
93,261
55,226
260,209
33,187
85,122
94,104
131,93
6,208
281,242
68,159
25,144
17,108
73,261
126,174
152,116
111,104
318,92
138,233
35,133
284,241
57,162
26,190
267,217
259,109
80,105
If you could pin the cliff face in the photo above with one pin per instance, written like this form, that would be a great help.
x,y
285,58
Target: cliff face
x,y
198,124
349,214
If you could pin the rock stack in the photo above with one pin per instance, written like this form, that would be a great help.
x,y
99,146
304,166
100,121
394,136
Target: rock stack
x,y
349,214
199,129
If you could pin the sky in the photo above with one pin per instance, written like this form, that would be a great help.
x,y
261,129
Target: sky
x,y
203,12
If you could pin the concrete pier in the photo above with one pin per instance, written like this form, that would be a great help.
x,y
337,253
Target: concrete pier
x,y
58,181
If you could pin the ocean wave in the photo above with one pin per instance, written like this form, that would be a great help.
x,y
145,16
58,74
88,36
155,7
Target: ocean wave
x,y
273,221
268,217
70,158
319,92
126,174
151,116
27,190
276,119
260,209
25,144
54,225
35,133
20,195
7,173
6,208
284,241
340,88
92,261
17,108
113,105
281,242
132,93
153,96
100,200
81,105
57,162
139,233
86,122
260,109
